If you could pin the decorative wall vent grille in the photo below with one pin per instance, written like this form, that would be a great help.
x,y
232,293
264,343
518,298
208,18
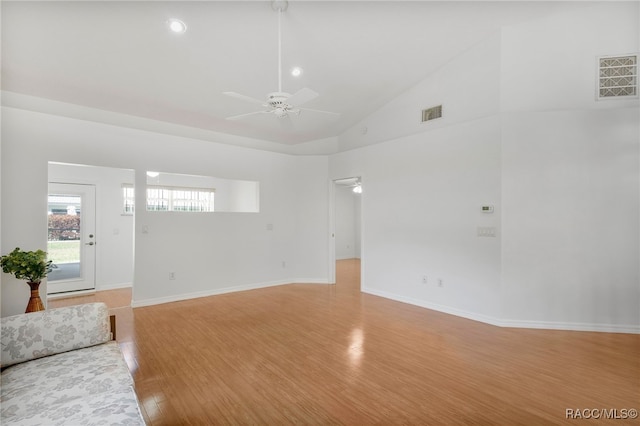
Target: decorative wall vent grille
x,y
431,113
618,77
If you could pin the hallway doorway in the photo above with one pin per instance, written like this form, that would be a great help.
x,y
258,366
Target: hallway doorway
x,y
348,274
346,248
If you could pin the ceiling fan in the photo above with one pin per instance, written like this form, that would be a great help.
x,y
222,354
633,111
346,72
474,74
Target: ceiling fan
x,y
280,103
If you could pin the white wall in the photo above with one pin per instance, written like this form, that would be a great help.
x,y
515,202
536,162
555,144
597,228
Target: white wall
x,y
522,131
245,196
311,209
425,186
358,226
550,64
570,174
209,252
114,230
420,212
570,222
468,87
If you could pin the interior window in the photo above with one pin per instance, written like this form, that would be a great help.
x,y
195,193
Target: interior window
x,y
192,193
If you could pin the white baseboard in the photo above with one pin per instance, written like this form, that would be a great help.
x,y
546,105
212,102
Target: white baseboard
x,y
214,292
311,281
68,294
434,306
547,325
113,286
88,292
570,326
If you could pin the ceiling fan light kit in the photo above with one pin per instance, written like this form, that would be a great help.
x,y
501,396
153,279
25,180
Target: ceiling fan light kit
x,y
280,103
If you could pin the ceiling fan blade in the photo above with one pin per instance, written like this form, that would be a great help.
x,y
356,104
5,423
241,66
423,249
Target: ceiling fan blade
x,y
318,110
286,123
302,96
235,117
244,97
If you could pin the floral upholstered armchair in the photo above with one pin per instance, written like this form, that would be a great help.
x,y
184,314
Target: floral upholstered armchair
x,y
61,367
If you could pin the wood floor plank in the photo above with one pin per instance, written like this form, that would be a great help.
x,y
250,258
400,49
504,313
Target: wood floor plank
x,y
331,355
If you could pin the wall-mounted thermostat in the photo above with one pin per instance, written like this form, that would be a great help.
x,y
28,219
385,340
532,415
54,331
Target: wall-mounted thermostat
x,y
487,208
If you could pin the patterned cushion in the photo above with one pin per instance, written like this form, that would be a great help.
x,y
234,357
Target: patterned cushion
x,y
29,336
94,410
86,386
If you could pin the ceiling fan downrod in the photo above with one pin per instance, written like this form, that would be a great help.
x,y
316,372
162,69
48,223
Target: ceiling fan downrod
x,y
279,6
281,104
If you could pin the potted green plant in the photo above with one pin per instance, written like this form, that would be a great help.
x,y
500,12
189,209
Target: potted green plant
x,y
32,266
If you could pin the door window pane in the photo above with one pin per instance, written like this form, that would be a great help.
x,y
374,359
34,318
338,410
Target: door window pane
x,y
63,245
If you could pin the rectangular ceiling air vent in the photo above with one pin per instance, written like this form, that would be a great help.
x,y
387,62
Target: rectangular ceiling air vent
x,y
431,113
618,76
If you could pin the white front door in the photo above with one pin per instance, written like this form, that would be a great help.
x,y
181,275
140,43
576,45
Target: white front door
x,y
72,237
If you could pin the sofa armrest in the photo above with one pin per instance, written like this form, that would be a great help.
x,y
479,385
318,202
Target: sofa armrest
x,y
34,335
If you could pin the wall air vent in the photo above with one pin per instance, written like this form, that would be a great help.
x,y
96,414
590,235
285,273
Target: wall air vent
x,y
618,77
431,113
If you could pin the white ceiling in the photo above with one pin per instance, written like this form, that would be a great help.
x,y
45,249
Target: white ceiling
x,y
119,56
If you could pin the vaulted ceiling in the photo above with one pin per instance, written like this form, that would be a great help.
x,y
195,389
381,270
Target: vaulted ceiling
x,y
119,56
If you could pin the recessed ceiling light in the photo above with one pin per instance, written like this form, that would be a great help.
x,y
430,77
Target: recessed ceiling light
x,y
177,26
296,71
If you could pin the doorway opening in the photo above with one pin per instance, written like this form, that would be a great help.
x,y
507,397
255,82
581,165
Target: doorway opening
x,y
90,232
346,218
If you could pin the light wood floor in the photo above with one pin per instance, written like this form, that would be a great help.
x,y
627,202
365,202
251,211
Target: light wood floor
x,y
330,355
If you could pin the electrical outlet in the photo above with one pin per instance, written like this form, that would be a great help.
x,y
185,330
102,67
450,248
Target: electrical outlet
x,y
172,275
440,282
424,279
486,231
284,264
